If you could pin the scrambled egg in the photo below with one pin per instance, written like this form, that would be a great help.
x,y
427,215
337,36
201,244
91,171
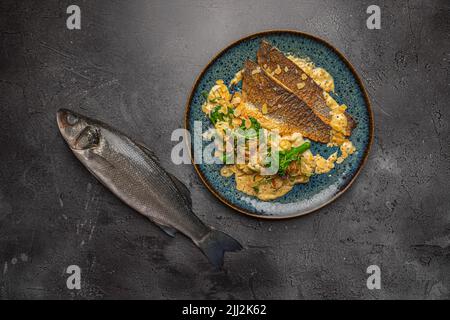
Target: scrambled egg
x,y
324,165
231,112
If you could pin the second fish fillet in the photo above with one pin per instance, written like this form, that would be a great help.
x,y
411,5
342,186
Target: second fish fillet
x,y
290,76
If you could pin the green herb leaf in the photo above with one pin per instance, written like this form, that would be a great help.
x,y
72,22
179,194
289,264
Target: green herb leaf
x,y
248,133
215,115
286,157
255,124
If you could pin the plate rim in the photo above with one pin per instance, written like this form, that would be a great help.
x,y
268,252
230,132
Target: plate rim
x,y
366,99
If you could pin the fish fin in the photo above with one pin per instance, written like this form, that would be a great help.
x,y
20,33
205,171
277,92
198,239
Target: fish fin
x,y
171,231
215,244
148,152
184,191
168,230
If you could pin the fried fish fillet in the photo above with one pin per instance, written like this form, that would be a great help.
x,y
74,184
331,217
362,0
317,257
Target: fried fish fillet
x,y
289,75
274,104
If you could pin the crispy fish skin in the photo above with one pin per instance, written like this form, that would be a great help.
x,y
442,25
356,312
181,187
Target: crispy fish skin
x,y
283,106
272,58
133,174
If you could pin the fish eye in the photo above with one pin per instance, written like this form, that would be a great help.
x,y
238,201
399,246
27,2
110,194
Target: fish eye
x,y
71,119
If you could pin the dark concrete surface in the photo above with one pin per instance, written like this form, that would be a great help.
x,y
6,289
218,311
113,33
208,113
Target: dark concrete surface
x,y
133,64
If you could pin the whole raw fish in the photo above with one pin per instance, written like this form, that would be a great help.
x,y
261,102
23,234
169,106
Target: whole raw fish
x,y
133,174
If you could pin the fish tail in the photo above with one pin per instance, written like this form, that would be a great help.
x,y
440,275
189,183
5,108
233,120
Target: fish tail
x,y
214,245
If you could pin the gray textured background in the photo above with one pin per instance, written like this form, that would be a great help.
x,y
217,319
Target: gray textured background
x,y
133,65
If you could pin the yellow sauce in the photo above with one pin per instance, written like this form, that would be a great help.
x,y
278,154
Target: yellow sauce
x,y
326,82
319,75
324,165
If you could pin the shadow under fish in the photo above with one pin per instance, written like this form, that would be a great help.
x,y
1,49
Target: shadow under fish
x,y
132,172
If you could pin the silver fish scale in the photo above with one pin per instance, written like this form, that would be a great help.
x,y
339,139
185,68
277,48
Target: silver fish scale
x,y
141,183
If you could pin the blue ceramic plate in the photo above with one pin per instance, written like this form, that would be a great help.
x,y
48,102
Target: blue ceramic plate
x,y
321,189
